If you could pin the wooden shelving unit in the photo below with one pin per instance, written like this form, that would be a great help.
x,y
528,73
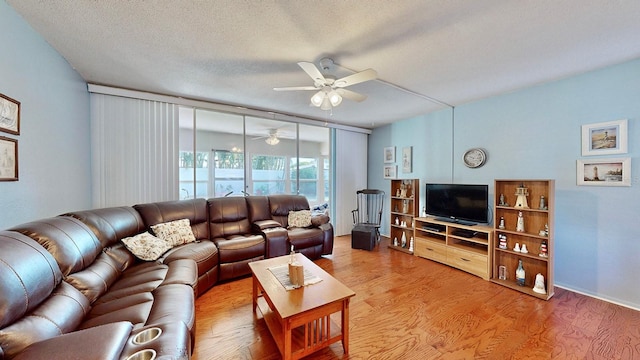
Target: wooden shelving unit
x,y
535,219
405,194
464,247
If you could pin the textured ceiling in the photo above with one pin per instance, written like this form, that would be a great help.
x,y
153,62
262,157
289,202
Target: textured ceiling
x,y
235,52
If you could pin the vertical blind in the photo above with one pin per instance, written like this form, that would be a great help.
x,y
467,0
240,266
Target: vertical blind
x,y
351,176
134,146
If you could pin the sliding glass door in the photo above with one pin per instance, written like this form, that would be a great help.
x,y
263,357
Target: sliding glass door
x,y
225,154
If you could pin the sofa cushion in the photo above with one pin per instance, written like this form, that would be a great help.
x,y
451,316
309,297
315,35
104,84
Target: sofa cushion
x,y
228,217
300,218
28,274
177,232
59,314
194,209
280,205
146,246
111,224
72,243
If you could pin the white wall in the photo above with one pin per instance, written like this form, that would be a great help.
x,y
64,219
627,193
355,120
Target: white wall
x,y
536,133
53,145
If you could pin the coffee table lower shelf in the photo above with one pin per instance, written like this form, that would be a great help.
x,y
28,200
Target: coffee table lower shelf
x,y
310,331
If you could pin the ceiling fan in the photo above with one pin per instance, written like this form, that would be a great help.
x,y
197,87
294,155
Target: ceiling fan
x,y
271,139
329,90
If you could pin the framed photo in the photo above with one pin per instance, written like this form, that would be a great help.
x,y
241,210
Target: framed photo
x,y
390,171
390,155
605,138
406,159
8,159
604,172
9,115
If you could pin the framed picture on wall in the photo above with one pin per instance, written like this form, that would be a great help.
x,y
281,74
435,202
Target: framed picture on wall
x,y
9,115
604,172
8,159
406,159
390,155
604,138
390,171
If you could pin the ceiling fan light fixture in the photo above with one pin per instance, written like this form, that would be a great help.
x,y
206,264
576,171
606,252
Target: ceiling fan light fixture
x,y
272,140
326,104
316,99
335,98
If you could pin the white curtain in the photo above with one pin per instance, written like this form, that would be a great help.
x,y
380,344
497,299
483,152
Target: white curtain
x,y
350,176
134,146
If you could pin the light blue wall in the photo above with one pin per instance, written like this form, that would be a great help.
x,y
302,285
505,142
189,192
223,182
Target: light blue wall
x,y
536,133
53,145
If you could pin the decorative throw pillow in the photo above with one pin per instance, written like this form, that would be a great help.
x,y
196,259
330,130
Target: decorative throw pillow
x,y
146,246
176,232
300,218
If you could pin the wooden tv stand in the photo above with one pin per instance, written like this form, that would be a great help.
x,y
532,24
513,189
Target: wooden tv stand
x,y
464,247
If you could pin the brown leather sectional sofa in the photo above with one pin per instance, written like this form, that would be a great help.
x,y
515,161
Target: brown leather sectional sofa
x,y
69,288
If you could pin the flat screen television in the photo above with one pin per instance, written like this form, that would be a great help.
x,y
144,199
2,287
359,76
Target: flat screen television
x,y
460,203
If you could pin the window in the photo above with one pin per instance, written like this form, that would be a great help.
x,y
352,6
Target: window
x,y
308,181
188,163
268,174
228,171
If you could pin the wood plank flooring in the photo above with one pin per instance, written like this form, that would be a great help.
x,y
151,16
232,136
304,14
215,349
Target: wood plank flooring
x,y
407,307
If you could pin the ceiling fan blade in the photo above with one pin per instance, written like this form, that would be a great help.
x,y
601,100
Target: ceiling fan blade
x,y
351,95
292,88
313,72
356,78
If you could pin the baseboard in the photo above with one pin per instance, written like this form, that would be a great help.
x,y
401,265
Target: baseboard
x,y
597,297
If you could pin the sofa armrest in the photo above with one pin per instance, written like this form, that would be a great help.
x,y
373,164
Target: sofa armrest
x,y
261,225
276,239
327,232
318,220
100,342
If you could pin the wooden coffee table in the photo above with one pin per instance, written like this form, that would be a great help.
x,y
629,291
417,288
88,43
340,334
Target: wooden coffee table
x,y
299,319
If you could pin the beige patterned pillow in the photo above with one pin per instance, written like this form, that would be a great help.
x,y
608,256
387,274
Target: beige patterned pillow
x,y
146,246
176,232
300,218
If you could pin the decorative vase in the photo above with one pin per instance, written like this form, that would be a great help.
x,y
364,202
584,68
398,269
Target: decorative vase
x,y
403,240
520,274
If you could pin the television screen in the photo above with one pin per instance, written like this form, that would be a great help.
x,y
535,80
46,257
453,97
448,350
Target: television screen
x,y
460,203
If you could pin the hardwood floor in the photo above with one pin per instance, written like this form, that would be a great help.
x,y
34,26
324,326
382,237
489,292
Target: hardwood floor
x,y
412,308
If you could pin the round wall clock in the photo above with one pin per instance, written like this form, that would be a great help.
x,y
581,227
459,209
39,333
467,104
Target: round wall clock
x,y
474,158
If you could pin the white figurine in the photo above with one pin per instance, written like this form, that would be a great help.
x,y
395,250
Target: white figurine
x,y
411,244
523,249
520,224
516,248
539,284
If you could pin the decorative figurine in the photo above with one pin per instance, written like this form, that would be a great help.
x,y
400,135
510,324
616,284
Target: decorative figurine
x,y
520,274
501,226
403,240
397,221
516,248
502,272
502,203
539,285
542,204
503,241
395,241
520,223
411,244
523,249
398,193
405,206
544,252
522,193
395,208
424,212
546,229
